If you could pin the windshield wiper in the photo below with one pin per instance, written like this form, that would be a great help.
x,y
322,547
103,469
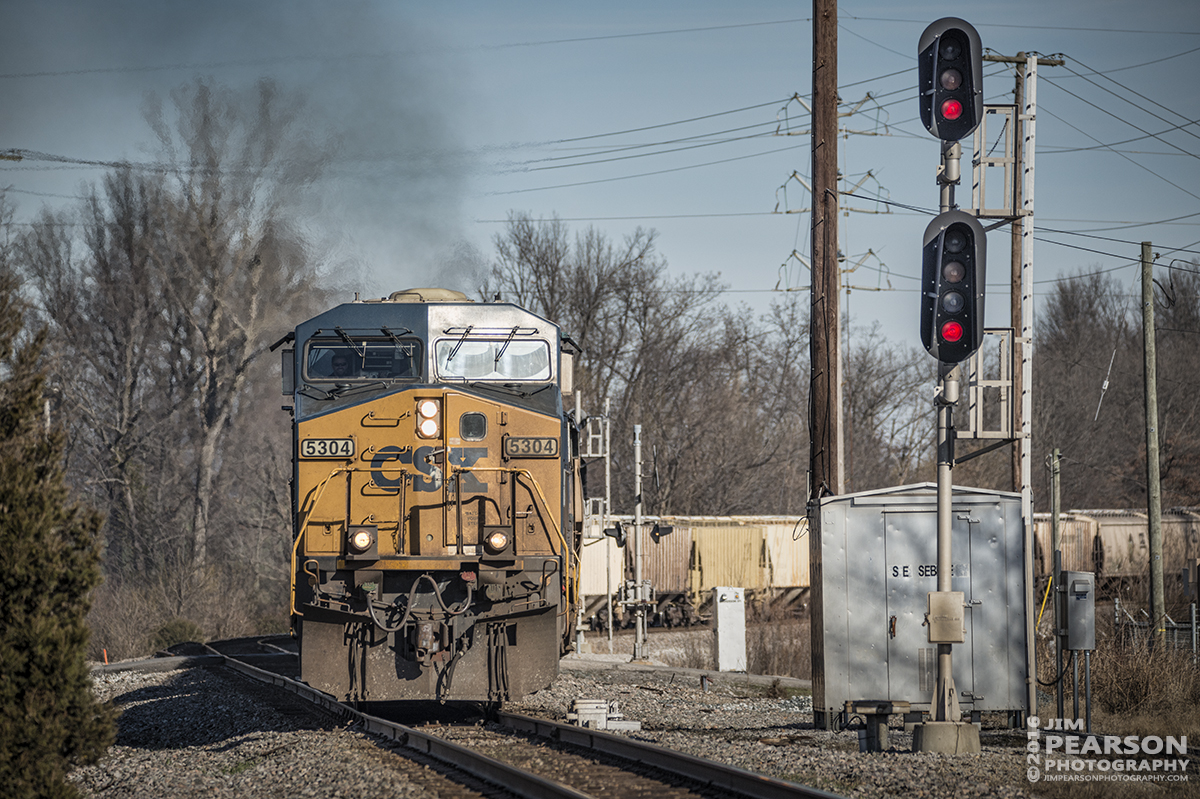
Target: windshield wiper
x,y
324,394
461,341
342,389
504,388
346,337
396,337
504,346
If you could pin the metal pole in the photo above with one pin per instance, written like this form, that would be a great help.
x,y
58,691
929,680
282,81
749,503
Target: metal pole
x,y
607,513
1087,677
1025,342
1056,573
1055,499
579,615
1153,485
1075,685
946,707
1058,690
639,613
1016,242
950,175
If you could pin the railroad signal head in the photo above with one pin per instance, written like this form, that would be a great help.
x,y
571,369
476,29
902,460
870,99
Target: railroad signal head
x,y
952,283
950,78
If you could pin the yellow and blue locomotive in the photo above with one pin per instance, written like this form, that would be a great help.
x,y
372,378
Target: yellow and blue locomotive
x,y
437,498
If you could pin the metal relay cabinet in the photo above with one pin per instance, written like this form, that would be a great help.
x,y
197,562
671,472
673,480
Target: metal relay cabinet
x,y
873,558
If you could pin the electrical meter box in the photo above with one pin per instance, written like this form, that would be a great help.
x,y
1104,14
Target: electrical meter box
x,y
1077,610
873,559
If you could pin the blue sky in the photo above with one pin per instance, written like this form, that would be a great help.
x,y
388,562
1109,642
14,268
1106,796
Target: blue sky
x,y
451,114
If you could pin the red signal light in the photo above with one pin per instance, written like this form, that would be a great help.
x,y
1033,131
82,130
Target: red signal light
x,y
952,331
952,109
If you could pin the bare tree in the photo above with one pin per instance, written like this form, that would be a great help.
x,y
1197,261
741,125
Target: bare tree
x,y
1084,327
163,291
237,267
104,301
890,413
1177,322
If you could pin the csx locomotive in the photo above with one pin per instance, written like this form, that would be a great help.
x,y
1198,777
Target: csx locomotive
x,y
437,498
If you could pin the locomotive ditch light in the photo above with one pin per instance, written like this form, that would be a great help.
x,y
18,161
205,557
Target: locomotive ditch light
x,y
428,418
362,542
498,541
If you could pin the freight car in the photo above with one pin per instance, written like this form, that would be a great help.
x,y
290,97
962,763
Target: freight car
x,y
766,555
1115,544
436,496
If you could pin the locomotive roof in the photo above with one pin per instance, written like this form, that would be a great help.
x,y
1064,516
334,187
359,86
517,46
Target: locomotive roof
x,y
425,313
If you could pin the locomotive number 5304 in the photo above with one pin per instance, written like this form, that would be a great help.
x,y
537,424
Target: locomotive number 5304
x,y
327,448
530,447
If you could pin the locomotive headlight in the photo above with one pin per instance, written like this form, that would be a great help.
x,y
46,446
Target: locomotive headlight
x,y
428,425
362,542
496,541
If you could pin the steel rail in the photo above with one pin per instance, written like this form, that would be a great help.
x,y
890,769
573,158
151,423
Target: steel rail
x,y
730,780
735,781
486,768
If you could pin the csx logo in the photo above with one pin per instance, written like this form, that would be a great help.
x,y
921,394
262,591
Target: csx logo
x,y
420,458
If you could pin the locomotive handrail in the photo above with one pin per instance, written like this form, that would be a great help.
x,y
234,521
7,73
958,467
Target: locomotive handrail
x,y
573,574
316,495
573,571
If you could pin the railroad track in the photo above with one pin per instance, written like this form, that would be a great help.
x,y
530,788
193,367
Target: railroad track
x,y
526,756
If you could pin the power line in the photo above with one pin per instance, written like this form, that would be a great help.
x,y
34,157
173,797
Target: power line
x,y
648,174
1033,27
639,218
669,124
1126,121
1117,152
627,148
1135,66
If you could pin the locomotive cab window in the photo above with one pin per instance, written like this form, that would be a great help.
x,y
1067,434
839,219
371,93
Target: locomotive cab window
x,y
476,359
340,361
472,426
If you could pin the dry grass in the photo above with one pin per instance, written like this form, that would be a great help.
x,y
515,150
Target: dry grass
x,y
774,646
781,647
1136,690
135,619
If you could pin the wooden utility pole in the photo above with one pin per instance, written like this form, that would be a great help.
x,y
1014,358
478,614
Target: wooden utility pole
x,y
825,406
1153,485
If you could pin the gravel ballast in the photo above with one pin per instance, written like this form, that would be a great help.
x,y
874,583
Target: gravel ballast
x,y
213,733
208,732
767,728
